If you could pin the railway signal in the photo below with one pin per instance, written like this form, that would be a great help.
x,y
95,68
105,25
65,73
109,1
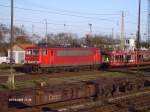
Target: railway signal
x,y
46,37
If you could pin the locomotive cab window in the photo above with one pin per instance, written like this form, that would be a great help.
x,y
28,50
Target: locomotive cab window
x,y
35,52
29,52
105,58
45,52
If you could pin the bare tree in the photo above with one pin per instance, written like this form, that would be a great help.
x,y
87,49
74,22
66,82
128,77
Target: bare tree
x,y
100,41
21,35
3,32
62,39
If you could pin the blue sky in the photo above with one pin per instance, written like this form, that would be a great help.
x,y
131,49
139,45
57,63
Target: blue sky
x,y
76,14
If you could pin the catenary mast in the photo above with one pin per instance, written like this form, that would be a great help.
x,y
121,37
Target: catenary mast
x,y
148,38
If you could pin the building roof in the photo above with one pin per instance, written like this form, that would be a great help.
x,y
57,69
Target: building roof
x,y
21,47
24,46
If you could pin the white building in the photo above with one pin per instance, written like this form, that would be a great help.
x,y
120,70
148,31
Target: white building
x,y
19,52
130,44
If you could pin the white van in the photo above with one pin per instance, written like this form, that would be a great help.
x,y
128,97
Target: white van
x,y
5,60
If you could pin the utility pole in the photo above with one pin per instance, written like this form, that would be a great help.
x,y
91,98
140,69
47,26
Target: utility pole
x,y
122,30
90,25
138,35
113,38
22,27
64,28
112,33
32,29
32,33
46,38
148,22
11,78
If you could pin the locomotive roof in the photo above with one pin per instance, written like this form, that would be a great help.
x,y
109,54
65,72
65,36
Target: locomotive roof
x,y
60,48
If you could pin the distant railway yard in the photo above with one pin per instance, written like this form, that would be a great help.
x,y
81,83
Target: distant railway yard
x,y
112,90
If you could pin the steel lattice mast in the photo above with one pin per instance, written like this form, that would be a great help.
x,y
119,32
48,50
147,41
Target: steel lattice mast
x,y
148,38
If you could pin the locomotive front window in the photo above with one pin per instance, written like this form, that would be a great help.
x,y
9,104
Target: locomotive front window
x,y
35,52
29,52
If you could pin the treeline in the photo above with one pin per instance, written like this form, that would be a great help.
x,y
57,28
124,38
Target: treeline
x,y
21,36
103,42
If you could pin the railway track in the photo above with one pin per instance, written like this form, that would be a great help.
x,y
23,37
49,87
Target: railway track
x,y
25,77
29,81
129,69
127,103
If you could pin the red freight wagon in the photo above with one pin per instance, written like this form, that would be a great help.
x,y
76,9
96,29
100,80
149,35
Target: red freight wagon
x,y
62,58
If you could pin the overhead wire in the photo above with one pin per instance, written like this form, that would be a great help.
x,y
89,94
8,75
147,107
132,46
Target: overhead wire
x,y
58,24
59,13
35,10
65,13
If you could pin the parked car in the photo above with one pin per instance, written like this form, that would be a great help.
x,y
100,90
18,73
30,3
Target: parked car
x,y
5,60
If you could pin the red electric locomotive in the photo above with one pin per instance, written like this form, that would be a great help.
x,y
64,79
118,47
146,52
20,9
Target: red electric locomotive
x,y
128,58
51,59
